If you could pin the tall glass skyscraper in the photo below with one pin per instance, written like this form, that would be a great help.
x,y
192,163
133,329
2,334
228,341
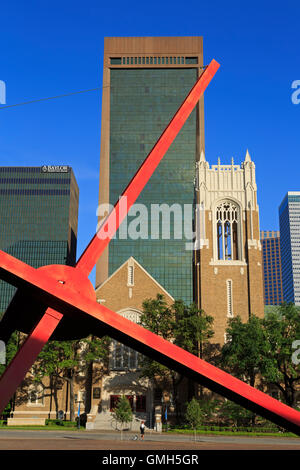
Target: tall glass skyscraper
x,y
270,243
38,217
289,220
145,81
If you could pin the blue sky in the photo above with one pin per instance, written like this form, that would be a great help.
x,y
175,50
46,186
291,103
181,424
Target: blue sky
x,y
50,48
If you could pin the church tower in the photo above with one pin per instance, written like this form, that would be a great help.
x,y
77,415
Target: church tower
x,y
228,257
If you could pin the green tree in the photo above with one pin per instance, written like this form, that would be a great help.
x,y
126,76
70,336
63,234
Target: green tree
x,y
123,413
95,350
210,407
192,331
58,361
232,412
11,349
61,361
194,415
192,328
158,317
243,353
186,326
282,328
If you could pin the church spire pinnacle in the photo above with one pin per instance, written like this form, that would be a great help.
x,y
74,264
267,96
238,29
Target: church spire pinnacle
x,y
202,157
248,158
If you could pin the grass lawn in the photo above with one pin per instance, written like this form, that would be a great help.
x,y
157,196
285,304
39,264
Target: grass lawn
x,y
234,433
54,427
43,428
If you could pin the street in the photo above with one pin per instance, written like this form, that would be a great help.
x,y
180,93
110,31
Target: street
x,y
11,439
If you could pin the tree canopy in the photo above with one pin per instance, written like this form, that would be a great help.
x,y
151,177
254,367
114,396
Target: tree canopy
x,y
264,347
123,412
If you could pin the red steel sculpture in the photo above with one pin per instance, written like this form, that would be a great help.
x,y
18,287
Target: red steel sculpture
x,y
59,302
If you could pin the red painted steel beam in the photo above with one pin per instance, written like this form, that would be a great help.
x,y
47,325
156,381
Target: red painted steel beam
x,y
102,238
24,359
64,298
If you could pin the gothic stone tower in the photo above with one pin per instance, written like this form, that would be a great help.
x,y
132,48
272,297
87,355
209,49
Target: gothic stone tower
x,y
228,260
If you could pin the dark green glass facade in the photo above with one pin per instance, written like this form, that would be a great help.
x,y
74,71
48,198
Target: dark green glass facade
x,y
142,102
38,218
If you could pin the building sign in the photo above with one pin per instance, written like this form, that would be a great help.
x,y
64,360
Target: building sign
x,y
55,169
96,392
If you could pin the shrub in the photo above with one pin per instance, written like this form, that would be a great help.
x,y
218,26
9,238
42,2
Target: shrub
x,y
59,422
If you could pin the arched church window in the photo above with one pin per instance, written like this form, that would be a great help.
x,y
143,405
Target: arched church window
x,y
123,357
35,395
227,220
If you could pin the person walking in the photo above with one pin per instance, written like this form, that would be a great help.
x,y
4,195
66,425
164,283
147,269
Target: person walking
x,y
142,429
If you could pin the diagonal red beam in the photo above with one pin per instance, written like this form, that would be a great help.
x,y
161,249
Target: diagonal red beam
x,y
102,238
25,357
74,304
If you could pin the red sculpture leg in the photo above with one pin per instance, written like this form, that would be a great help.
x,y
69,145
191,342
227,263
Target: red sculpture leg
x,y
26,356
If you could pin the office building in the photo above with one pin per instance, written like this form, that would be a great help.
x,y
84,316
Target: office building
x,y
38,217
289,221
270,243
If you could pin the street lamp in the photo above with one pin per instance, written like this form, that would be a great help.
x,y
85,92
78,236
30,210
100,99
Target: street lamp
x,y
167,404
78,412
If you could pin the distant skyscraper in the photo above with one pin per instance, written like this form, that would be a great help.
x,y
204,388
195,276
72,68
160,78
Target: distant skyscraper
x,y
38,217
289,221
270,242
145,80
